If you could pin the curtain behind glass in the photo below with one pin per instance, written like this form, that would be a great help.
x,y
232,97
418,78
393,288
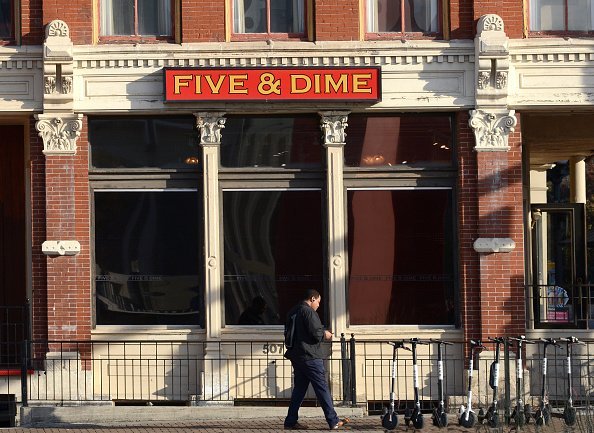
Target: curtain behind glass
x,y
117,17
579,15
249,16
547,15
154,17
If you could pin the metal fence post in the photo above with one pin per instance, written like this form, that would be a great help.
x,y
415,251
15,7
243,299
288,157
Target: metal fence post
x,y
346,371
353,371
506,401
24,364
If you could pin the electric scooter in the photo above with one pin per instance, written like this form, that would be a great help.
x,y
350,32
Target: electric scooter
x,y
492,415
542,415
521,413
390,418
569,413
415,415
466,416
440,416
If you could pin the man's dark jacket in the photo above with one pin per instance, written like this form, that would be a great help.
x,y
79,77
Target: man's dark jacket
x,y
308,341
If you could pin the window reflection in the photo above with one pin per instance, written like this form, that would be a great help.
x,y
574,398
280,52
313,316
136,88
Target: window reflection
x,y
400,256
273,250
271,141
147,258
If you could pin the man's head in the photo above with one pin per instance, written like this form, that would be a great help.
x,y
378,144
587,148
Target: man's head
x,y
312,298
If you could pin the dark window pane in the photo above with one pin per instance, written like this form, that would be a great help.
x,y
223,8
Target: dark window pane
x,y
390,140
400,256
271,141
286,16
6,15
122,18
273,249
133,142
154,17
421,16
147,258
388,16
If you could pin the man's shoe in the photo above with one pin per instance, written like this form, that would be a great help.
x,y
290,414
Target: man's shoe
x,y
341,424
296,426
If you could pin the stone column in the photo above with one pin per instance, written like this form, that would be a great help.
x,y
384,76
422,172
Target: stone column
x,y
333,124
577,175
215,380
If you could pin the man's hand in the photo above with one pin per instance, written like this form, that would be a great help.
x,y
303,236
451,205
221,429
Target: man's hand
x,y
328,335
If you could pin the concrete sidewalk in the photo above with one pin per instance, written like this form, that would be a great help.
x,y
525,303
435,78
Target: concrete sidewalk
x,y
86,419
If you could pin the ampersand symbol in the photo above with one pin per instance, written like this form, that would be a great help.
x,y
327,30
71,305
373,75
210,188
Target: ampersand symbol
x,y
268,84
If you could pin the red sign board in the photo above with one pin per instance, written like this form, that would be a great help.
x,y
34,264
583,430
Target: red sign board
x,y
272,84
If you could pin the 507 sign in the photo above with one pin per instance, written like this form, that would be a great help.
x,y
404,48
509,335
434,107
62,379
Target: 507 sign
x,y
272,84
272,349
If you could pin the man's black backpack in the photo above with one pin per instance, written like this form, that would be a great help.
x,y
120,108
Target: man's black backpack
x,y
290,331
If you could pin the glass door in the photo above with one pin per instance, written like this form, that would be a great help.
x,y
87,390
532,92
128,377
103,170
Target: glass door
x,y
558,264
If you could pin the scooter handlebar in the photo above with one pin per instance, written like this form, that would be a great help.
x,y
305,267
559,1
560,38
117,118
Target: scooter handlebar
x,y
496,339
572,340
550,341
447,343
398,345
523,339
418,341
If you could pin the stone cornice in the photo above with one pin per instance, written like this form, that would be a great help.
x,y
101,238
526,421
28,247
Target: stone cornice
x,y
19,58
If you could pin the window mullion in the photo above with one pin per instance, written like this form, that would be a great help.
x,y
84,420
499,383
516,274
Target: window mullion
x,y
268,23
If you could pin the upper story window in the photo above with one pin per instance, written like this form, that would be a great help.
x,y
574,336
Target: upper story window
x,y
6,19
273,18
136,18
561,15
402,16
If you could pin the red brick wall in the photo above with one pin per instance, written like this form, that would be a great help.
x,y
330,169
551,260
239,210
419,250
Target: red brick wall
x,y
500,198
77,14
462,25
490,206
39,262
336,20
69,311
31,22
203,21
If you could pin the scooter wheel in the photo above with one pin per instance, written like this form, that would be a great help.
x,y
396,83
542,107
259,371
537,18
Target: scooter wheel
x,y
443,420
539,418
418,421
468,423
527,413
569,415
546,414
390,421
493,420
519,418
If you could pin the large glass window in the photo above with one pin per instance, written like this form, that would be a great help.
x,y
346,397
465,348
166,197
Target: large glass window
x,y
273,251
272,142
136,18
401,249
561,15
402,16
409,140
143,142
267,17
147,246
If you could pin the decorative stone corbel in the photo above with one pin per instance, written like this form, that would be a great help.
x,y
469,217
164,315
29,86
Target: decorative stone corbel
x,y
210,125
492,129
57,68
494,245
60,248
59,134
492,62
333,125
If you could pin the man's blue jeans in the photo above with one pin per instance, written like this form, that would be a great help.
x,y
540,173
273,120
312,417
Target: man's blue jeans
x,y
306,372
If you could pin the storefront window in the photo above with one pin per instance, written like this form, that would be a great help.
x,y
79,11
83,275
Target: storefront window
x,y
143,142
401,249
147,257
272,142
405,140
273,252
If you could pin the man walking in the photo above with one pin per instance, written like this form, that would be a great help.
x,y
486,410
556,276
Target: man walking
x,y
304,334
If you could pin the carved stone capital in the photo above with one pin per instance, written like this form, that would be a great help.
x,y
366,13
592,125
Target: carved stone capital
x,y
59,134
333,125
492,129
489,22
210,125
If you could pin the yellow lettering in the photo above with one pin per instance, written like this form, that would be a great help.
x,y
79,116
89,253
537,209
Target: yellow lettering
x,y
215,88
316,83
361,83
295,78
180,81
330,83
237,83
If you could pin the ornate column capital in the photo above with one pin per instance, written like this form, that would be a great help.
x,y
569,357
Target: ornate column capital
x,y
492,62
59,134
492,129
210,125
333,125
